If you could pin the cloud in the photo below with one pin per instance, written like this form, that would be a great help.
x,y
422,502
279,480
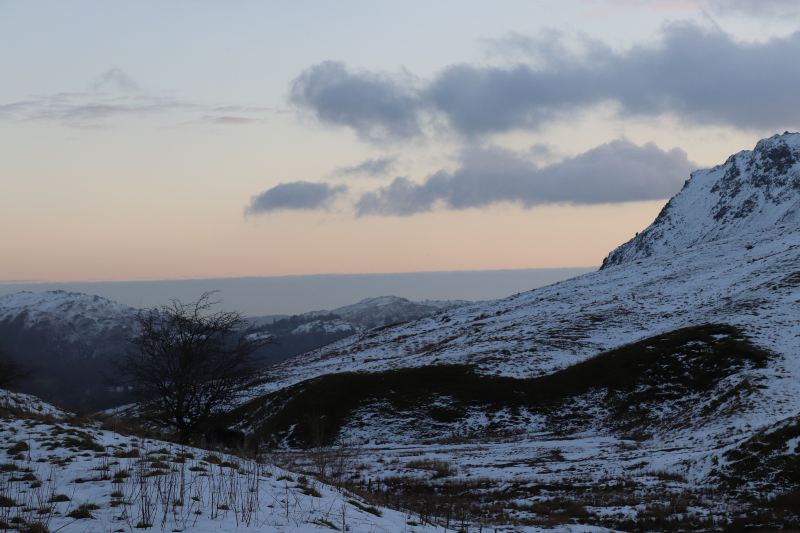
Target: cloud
x,y
376,106
619,171
115,96
294,195
369,167
699,75
543,152
90,111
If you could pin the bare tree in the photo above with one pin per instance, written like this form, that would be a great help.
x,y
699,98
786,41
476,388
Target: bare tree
x,y
189,362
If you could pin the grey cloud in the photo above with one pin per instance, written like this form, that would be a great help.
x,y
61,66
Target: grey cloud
x,y
708,78
479,100
542,151
293,196
619,171
376,106
369,167
701,76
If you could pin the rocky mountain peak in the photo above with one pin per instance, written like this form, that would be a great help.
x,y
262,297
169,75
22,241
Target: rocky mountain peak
x,y
753,191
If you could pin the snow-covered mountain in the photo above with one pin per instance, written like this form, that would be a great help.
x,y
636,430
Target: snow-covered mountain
x,y
74,317
66,343
387,310
298,334
754,191
665,386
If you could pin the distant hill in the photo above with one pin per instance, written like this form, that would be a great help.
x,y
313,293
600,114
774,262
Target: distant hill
x,y
297,334
67,342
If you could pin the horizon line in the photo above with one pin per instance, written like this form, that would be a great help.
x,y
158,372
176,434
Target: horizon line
x,y
278,276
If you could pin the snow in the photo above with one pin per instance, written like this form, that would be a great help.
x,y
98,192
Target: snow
x,y
77,316
259,336
550,328
753,191
382,310
742,277
175,488
69,305
725,251
736,281
27,403
328,327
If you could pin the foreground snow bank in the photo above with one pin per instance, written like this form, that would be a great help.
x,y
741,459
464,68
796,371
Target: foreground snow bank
x,y
68,478
27,403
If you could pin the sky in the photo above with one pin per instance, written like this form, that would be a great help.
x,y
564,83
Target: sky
x,y
202,139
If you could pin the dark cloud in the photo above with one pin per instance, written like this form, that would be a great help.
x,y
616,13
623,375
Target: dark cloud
x,y
543,152
479,100
376,106
369,167
619,171
294,195
701,76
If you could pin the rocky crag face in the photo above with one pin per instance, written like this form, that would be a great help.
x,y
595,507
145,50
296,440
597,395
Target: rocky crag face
x,y
755,191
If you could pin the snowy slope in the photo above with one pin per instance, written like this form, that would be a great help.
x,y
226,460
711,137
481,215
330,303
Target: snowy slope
x,y
367,313
384,310
79,478
746,277
754,191
725,251
325,326
19,403
296,334
745,280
